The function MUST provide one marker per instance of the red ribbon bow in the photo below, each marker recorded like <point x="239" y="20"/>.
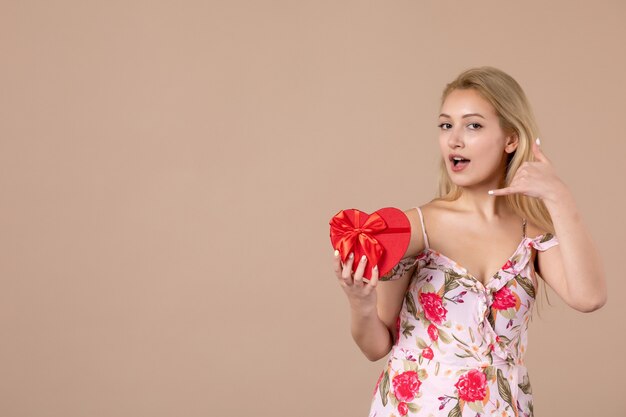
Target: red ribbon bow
<point x="349" y="235"/>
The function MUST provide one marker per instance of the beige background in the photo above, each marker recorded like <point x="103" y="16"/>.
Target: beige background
<point x="168" y="171"/>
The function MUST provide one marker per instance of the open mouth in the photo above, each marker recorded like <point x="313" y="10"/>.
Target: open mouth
<point x="458" y="161"/>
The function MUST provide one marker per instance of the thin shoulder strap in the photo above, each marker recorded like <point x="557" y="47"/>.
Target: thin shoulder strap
<point x="423" y="228"/>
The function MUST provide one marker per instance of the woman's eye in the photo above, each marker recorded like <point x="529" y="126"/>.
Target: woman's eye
<point x="444" y="126"/>
<point x="475" y="126"/>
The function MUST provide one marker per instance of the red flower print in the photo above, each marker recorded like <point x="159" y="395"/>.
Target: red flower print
<point x="508" y="265"/>
<point x="433" y="332"/>
<point x="503" y="299"/>
<point x="406" y="385"/>
<point x="427" y="353"/>
<point x="472" y="386"/>
<point x="433" y="308"/>
<point x="398" y="329"/>
<point x="403" y="409"/>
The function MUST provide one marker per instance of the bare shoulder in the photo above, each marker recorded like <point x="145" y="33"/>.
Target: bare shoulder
<point x="417" y="243"/>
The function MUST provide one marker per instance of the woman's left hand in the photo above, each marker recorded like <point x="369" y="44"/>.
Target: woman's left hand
<point x="535" y="179"/>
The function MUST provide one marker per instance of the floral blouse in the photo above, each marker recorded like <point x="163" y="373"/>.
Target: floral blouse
<point x="459" y="344"/>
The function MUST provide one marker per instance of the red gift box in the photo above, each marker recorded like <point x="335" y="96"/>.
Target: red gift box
<point x="382" y="236"/>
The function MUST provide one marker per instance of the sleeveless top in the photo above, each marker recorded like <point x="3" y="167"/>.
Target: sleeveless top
<point x="459" y="345"/>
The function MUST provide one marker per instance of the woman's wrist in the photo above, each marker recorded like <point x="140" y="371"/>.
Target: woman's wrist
<point x="363" y="310"/>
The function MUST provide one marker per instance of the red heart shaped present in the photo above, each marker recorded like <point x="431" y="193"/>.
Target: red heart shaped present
<point x="382" y="236"/>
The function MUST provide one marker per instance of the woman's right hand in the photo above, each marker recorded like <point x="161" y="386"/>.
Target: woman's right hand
<point x="361" y="294"/>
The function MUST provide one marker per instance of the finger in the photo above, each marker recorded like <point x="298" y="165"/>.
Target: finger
<point x="374" y="279"/>
<point x="337" y="264"/>
<point x="358" y="274"/>
<point x="502" y="191"/>
<point x="346" y="274"/>
<point x="538" y="152"/>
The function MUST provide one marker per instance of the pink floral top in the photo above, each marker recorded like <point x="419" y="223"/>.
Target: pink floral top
<point x="460" y="345"/>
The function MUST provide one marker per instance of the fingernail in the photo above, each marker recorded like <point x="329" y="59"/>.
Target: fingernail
<point x="376" y="267"/>
<point x="363" y="258"/>
<point x="336" y="253"/>
<point x="538" y="141"/>
<point x="351" y="255"/>
<point x="490" y="192"/>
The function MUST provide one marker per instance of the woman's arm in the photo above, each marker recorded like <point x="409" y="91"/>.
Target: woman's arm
<point x="369" y="332"/>
<point x="573" y="268"/>
<point x="374" y="307"/>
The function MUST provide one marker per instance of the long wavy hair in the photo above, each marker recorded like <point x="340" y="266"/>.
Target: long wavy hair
<point x="516" y="116"/>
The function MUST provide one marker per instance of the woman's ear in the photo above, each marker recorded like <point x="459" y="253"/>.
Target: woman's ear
<point x="512" y="141"/>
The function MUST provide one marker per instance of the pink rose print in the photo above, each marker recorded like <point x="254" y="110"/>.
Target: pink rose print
<point x="406" y="385"/>
<point x="433" y="332"/>
<point x="472" y="386"/>
<point x="427" y="353"/>
<point x="403" y="409"/>
<point x="433" y="308"/>
<point x="503" y="299"/>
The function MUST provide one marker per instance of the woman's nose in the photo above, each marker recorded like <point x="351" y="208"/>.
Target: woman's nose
<point x="455" y="138"/>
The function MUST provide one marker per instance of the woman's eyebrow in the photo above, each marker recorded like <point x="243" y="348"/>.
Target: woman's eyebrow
<point x="464" y="116"/>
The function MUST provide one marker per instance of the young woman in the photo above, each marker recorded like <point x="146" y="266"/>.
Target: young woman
<point x="454" y="312"/>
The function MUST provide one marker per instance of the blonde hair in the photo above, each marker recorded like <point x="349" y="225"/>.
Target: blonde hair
<point x="516" y="116"/>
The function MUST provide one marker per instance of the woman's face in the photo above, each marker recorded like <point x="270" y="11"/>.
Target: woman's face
<point x="469" y="127"/>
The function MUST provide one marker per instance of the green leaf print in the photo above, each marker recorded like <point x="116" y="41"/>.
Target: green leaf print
<point x="436" y="368"/>
<point x="509" y="313"/>
<point x="421" y="343"/>
<point x="526" y="284"/>
<point x="525" y="385"/>
<point x="427" y="287"/>
<point x="491" y="318"/>
<point x="394" y="400"/>
<point x="444" y="336"/>
<point x="407" y="328"/>
<point x="546" y="237"/>
<point x="384" y="388"/>
<point x="504" y="388"/>
<point x="456" y="411"/>
<point x="450" y="282"/>
<point x="410" y="304"/>
<point x="422" y="374"/>
<point x="414" y="408"/>
<point x="410" y="366"/>
<point x="476" y="406"/>
<point x="490" y="372"/>
<point x="458" y="340"/>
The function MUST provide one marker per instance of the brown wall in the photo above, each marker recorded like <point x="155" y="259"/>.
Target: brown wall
<point x="168" y="170"/>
